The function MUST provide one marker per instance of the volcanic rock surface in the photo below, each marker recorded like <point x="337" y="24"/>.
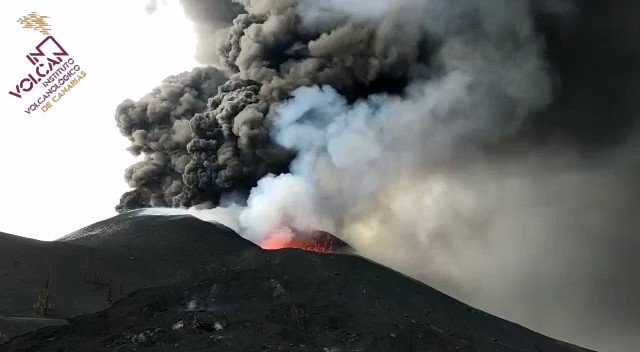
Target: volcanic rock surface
<point x="189" y="285"/>
<point x="97" y="265"/>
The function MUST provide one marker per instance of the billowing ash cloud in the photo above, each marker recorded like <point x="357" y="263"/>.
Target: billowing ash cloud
<point x="267" y="53"/>
<point x="158" y="127"/>
<point x="488" y="147"/>
<point x="211" y="19"/>
<point x="230" y="148"/>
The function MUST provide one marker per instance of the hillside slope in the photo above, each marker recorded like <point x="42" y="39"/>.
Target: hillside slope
<point x="102" y="263"/>
<point x="248" y="299"/>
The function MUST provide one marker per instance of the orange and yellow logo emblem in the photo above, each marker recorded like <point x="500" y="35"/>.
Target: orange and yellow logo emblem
<point x="36" y="22"/>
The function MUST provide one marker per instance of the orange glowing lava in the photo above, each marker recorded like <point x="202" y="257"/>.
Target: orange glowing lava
<point x="315" y="241"/>
<point x="275" y="242"/>
<point x="278" y="239"/>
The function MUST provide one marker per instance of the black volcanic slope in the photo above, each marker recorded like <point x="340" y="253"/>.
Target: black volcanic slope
<point x="241" y="298"/>
<point x="182" y="236"/>
<point x="102" y="263"/>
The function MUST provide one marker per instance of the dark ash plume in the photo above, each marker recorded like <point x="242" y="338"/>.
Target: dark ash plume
<point x="269" y="52"/>
<point x="158" y="128"/>
<point x="211" y="19"/>
<point x="231" y="148"/>
<point x="597" y="58"/>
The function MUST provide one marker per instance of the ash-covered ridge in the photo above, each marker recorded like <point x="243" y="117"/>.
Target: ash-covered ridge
<point x="235" y="300"/>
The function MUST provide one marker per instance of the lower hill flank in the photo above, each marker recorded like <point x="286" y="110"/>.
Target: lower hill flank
<point x="227" y="294"/>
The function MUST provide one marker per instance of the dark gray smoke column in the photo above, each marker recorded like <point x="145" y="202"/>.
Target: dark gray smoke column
<point x="231" y="148"/>
<point x="211" y="19"/>
<point x="597" y="58"/>
<point x="158" y="128"/>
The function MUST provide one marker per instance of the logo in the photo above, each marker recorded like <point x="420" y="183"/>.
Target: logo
<point x="53" y="72"/>
<point x="35" y="22"/>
